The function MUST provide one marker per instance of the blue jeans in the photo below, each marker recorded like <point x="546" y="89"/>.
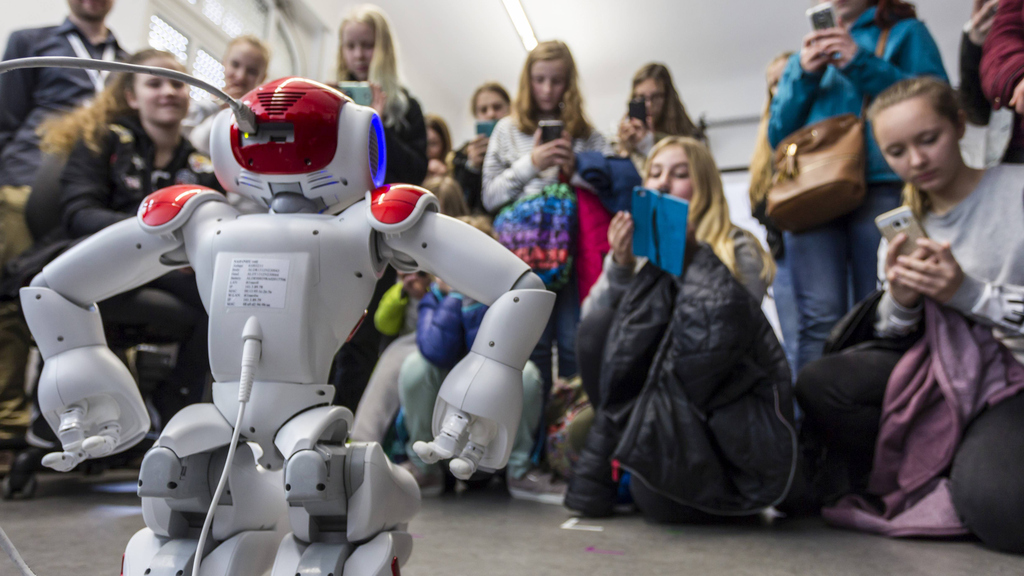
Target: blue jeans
<point x="561" y="329"/>
<point x="785" y="306"/>
<point x="828" y="261"/>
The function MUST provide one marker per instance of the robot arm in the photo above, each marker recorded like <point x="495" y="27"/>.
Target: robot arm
<point x="86" y="394"/>
<point x="478" y="408"/>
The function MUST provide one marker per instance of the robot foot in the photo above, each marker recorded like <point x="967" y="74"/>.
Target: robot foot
<point x="245" y="554"/>
<point x="380" y="556"/>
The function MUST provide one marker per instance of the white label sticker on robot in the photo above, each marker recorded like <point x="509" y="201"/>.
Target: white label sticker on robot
<point x="258" y="283"/>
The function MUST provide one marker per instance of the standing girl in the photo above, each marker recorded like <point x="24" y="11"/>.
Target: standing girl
<point x="518" y="164"/>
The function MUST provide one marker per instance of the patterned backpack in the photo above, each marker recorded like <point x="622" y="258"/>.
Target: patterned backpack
<point x="541" y="229"/>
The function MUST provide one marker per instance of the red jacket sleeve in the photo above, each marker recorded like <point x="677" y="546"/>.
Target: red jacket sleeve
<point x="1002" y="60"/>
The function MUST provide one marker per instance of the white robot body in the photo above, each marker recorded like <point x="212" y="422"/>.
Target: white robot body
<point x="283" y="291"/>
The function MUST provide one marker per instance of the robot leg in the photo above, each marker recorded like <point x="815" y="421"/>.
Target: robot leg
<point x="176" y="483"/>
<point x="348" y="506"/>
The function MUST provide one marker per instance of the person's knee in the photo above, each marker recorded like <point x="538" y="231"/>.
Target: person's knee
<point x="987" y="477"/>
<point x="533" y="384"/>
<point x="414" y="377"/>
<point x="813" y="382"/>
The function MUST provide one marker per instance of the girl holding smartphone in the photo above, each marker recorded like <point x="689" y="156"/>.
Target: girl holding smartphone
<point x="518" y="163"/>
<point x="490" y="103"/>
<point x="967" y="264"/>
<point x="665" y="114"/>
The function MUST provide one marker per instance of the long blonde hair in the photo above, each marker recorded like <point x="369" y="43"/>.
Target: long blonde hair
<point x="709" y="210"/>
<point x="383" y="65"/>
<point x="526" y="111"/>
<point x="673" y="120"/>
<point x="762" y="162"/>
<point x="942" y="99"/>
<point x="89" y="121"/>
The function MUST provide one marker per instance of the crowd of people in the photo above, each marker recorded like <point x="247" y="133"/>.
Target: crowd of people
<point x="889" y="403"/>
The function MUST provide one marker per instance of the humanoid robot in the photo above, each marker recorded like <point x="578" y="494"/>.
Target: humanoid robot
<point x="283" y="290"/>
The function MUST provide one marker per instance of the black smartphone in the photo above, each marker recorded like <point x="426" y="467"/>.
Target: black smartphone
<point x="550" y="130"/>
<point x="638" y="109"/>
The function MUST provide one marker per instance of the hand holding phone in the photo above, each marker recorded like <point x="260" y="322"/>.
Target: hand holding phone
<point x="485" y="127"/>
<point x="550" y="130"/>
<point x="638" y="109"/>
<point x="360" y="92"/>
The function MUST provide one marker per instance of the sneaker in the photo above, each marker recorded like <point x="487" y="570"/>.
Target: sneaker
<point x="430" y="479"/>
<point x="537" y="486"/>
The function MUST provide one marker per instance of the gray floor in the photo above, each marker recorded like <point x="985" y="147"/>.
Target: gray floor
<point x="79" y="526"/>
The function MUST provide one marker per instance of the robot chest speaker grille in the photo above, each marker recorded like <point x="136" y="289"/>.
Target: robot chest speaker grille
<point x="278" y="102"/>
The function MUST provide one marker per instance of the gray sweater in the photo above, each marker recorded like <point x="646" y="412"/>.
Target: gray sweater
<point x="615" y="278"/>
<point x="508" y="171"/>
<point x="986" y="235"/>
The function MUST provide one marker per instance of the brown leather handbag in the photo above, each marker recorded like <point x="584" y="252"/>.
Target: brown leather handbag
<point x="819" y="170"/>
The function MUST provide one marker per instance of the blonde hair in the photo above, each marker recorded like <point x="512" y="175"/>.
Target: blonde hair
<point x="943" y="100"/>
<point x="89" y="121"/>
<point x="256" y="43"/>
<point x="709" y="210"/>
<point x="527" y="113"/>
<point x="673" y="120"/>
<point x="449" y="194"/>
<point x="762" y="162"/>
<point x="383" y="65"/>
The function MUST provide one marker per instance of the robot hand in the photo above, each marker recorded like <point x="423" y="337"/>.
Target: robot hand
<point x="475" y="417"/>
<point x="103" y="413"/>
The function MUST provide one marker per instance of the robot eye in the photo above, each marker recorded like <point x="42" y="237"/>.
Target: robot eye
<point x="271" y="132"/>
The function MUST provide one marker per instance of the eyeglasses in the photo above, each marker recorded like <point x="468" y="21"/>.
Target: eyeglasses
<point x="656" y="98"/>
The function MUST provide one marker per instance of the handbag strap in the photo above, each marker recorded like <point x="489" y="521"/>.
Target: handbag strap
<point x="883" y="39"/>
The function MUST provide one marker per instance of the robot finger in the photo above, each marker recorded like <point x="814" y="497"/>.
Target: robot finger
<point x="63" y="461"/>
<point x="481" y="433"/>
<point x="96" y="446"/>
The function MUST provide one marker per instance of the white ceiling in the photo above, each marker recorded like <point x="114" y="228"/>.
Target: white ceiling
<point x="716" y="49"/>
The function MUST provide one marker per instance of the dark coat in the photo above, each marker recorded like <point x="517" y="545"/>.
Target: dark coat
<point x="712" y="424"/>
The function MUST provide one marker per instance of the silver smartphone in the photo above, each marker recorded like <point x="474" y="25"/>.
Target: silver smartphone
<point x="900" y="220"/>
<point x="550" y="130"/>
<point x="823" y="16"/>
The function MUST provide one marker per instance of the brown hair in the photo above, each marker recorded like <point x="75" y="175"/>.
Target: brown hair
<point x="480" y="222"/>
<point x="673" y="120"/>
<point x="889" y="12"/>
<point x="437" y="124"/>
<point x="943" y="100"/>
<point x="488" y="87"/>
<point x="449" y="194"/>
<point x="761" y="163"/>
<point x="526" y="112"/>
<point x="709" y="210"/>
<point x="88" y="121"/>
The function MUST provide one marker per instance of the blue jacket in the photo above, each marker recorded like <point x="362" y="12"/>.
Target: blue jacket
<point x="804" y="99"/>
<point x="613" y="179"/>
<point x="447" y="326"/>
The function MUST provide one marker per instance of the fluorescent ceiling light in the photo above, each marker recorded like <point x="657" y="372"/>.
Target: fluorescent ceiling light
<point x="521" y="22"/>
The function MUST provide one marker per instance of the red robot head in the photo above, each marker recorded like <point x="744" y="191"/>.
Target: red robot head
<point x="314" y="149"/>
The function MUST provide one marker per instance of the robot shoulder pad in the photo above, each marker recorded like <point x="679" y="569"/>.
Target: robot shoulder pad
<point x="169" y="208"/>
<point x="396" y="208"/>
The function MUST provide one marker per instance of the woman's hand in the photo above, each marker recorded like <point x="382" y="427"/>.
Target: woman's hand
<point x="838" y="45"/>
<point x="415" y="284"/>
<point x="436" y="168"/>
<point x="558" y="152"/>
<point x="379" y="98"/>
<point x="620" y="239"/>
<point x="475" y="151"/>
<point x="983" y="13"/>
<point x="902" y="293"/>
<point x="631" y="132"/>
<point x="812" y="58"/>
<point x="938" y="275"/>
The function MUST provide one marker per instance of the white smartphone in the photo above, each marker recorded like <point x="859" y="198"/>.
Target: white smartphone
<point x="900" y="220"/>
<point x="359" y="92"/>
<point x="823" y="16"/>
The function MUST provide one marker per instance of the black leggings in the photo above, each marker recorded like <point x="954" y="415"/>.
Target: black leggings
<point x="842" y="397"/>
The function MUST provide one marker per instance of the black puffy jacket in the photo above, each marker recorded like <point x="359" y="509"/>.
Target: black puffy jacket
<point x="711" y="426"/>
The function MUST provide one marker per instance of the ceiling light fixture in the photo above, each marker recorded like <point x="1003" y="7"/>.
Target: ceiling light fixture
<point x="521" y="22"/>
